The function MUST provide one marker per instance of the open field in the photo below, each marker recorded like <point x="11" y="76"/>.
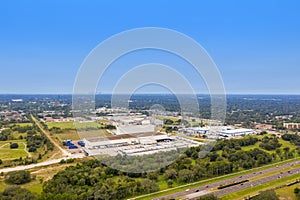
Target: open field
<point x="71" y="125"/>
<point x="78" y="135"/>
<point x="21" y="124"/>
<point x="9" y="154"/>
<point x="68" y="135"/>
<point x="93" y="133"/>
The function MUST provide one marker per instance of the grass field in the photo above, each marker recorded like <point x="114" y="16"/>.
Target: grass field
<point x="78" y="135"/>
<point x="68" y="135"/>
<point x="71" y="125"/>
<point x="93" y="133"/>
<point x="9" y="154"/>
<point x="21" y="124"/>
<point x="287" y="193"/>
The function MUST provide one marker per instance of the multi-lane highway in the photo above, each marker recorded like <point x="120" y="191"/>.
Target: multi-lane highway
<point x="199" y="191"/>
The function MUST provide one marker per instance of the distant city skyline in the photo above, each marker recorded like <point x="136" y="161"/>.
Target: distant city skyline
<point x="255" y="44"/>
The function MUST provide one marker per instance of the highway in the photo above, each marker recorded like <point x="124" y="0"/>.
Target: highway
<point x="256" y="182"/>
<point x="192" y="194"/>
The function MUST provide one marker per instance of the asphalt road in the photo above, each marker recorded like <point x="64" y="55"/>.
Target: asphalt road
<point x="256" y="182"/>
<point x="206" y="188"/>
<point x="45" y="163"/>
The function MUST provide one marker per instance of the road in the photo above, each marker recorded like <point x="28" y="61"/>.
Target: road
<point x="205" y="189"/>
<point x="47" y="133"/>
<point x="45" y="163"/>
<point x="256" y="182"/>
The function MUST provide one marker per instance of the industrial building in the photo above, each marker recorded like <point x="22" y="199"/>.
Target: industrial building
<point x="135" y="144"/>
<point x="133" y="129"/>
<point x="237" y="132"/>
<point x="125" y="139"/>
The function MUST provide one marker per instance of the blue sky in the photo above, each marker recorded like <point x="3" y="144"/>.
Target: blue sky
<point x="255" y="44"/>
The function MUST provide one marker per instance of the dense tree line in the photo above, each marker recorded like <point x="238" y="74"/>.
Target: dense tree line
<point x="92" y="180"/>
<point x="293" y="138"/>
<point x="36" y="140"/>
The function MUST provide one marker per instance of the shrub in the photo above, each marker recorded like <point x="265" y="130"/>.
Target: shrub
<point x="18" y="177"/>
<point x="14" y="145"/>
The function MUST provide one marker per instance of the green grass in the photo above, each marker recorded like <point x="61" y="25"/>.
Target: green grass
<point x="9" y="154"/>
<point x="34" y="186"/>
<point x="255" y="190"/>
<point x="16" y="134"/>
<point x="247" y="148"/>
<point x="287" y="192"/>
<point x="286" y="144"/>
<point x="71" y="125"/>
<point x="2" y="186"/>
<point x="21" y="124"/>
<point x="281" y="141"/>
<point x="68" y="135"/>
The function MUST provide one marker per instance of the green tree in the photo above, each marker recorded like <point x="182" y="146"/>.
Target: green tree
<point x="16" y="192"/>
<point x="297" y="192"/>
<point x="14" y="145"/>
<point x="170" y="183"/>
<point x="185" y="175"/>
<point x="170" y="174"/>
<point x="18" y="177"/>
